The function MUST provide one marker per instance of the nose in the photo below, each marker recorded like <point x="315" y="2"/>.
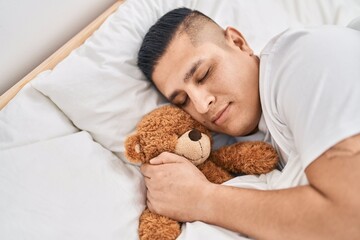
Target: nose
<point x="195" y="135"/>
<point x="202" y="100"/>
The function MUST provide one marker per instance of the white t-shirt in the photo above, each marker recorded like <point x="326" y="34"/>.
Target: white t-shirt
<point x="310" y="95"/>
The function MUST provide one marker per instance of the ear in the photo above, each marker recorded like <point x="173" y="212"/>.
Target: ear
<point x="236" y="39"/>
<point x="133" y="151"/>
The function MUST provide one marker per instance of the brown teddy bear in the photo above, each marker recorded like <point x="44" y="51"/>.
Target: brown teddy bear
<point x="171" y="129"/>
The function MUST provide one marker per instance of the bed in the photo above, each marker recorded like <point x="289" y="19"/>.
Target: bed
<point x="63" y="173"/>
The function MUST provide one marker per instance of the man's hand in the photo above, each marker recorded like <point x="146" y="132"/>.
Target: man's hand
<point x="175" y="187"/>
<point x="327" y="208"/>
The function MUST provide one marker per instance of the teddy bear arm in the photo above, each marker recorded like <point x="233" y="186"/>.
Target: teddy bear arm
<point x="153" y="226"/>
<point x="214" y="173"/>
<point x="247" y="157"/>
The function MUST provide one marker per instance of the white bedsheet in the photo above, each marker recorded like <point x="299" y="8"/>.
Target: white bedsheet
<point x="57" y="183"/>
<point x="62" y="170"/>
<point x="67" y="188"/>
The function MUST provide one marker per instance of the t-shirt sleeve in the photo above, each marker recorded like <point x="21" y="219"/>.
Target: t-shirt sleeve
<point x="312" y="88"/>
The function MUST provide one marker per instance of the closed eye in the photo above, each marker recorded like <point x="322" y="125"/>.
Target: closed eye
<point x="181" y="99"/>
<point x="184" y="102"/>
<point x="206" y="76"/>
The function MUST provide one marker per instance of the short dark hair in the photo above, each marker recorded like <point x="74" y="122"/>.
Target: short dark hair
<point x="159" y="36"/>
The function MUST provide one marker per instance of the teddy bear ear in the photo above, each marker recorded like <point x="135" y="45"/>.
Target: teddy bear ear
<point x="133" y="151"/>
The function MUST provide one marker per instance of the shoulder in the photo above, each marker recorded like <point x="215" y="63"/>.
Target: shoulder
<point x="303" y="58"/>
<point x="310" y="53"/>
<point x="321" y="37"/>
<point x="309" y="86"/>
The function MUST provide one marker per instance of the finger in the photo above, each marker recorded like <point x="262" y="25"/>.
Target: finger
<point x="166" y="157"/>
<point x="147" y="182"/>
<point x="150" y="207"/>
<point x="144" y="169"/>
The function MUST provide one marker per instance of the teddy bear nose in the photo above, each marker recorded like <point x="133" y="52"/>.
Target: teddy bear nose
<point x="195" y="135"/>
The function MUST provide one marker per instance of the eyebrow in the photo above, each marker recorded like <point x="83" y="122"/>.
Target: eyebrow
<point x="187" y="76"/>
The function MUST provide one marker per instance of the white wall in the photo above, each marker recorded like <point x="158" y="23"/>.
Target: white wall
<point x="31" y="30"/>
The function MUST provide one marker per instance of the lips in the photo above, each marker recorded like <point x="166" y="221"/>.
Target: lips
<point x="220" y="116"/>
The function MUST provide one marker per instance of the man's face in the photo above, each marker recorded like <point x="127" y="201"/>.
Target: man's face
<point x="218" y="86"/>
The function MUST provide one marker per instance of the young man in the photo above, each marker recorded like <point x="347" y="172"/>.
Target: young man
<point x="304" y="90"/>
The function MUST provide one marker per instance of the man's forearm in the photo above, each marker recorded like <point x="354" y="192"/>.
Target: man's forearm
<point x="329" y="208"/>
<point x="284" y="214"/>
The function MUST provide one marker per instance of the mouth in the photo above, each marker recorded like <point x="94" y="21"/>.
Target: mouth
<point x="221" y="115"/>
<point x="196" y="161"/>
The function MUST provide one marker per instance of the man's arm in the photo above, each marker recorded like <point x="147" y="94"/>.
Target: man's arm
<point x="329" y="208"/>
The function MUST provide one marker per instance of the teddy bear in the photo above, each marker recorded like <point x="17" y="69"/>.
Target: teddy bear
<point x="169" y="128"/>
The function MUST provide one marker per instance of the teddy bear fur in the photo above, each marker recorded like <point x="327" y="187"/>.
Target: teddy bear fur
<point x="171" y="129"/>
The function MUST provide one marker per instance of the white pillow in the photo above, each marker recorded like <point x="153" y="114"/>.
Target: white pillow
<point x="32" y="117"/>
<point x="99" y="86"/>
<point x="355" y="24"/>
